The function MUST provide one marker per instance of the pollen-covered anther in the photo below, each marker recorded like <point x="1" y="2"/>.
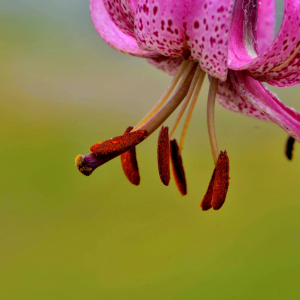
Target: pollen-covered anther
<point x="177" y="168"/>
<point x="120" y="144"/>
<point x="163" y="155"/>
<point x="129" y="163"/>
<point x="205" y="204"/>
<point x="218" y="186"/>
<point x="221" y="181"/>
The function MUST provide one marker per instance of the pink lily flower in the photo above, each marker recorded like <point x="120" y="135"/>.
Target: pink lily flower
<point x="231" y="41"/>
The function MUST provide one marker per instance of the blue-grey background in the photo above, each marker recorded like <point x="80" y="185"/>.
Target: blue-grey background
<point x="64" y="236"/>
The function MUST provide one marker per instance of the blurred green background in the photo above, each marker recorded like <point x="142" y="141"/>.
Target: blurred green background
<point x="66" y="236"/>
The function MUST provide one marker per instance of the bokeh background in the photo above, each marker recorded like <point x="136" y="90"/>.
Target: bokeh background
<point x="66" y="236"/>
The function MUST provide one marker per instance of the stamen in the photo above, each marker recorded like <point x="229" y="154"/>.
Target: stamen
<point x="120" y="144"/>
<point x="159" y="118"/>
<point x="107" y="150"/>
<point x="191" y="109"/>
<point x="218" y="186"/>
<point x="289" y="147"/>
<point x="177" y="168"/>
<point x="129" y="163"/>
<point x="187" y="100"/>
<point x="163" y="155"/>
<point x="206" y="202"/>
<point x="221" y="182"/>
<point x="211" y="118"/>
<point x="184" y="69"/>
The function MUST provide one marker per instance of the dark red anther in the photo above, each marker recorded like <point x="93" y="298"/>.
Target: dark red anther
<point x="177" y="168"/>
<point x="163" y="155"/>
<point x="217" y="189"/>
<point x="206" y="202"/>
<point x="129" y="163"/>
<point x="221" y="182"/>
<point x="119" y="144"/>
<point x="289" y="147"/>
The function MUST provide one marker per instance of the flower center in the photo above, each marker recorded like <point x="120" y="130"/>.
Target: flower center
<point x="185" y="86"/>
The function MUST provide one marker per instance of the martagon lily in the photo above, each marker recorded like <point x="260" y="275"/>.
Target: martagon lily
<point x="230" y="40"/>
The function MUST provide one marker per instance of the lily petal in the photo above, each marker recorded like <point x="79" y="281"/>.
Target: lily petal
<point x="207" y="28"/>
<point x="265" y="24"/>
<point x="166" y="64"/>
<point x="263" y="100"/>
<point x="279" y="65"/>
<point x="230" y="99"/>
<point x="243" y="38"/>
<point x="122" y="14"/>
<point x="159" y="26"/>
<point x="112" y="35"/>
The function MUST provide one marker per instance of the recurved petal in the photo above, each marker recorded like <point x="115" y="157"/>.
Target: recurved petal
<point x="159" y="26"/>
<point x="280" y="64"/>
<point x="122" y="14"/>
<point x="112" y="35"/>
<point x="230" y="99"/>
<point x="207" y="33"/>
<point x="265" y="24"/>
<point x="263" y="100"/>
<point x="166" y="64"/>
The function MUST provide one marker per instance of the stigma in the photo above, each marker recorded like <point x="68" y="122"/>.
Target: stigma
<point x="183" y="90"/>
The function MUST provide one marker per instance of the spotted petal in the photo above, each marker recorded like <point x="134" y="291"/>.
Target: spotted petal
<point x="173" y="27"/>
<point x="159" y="26"/>
<point x="166" y="64"/>
<point x="265" y="24"/>
<point x="112" y="35"/>
<point x="122" y="14"/>
<point x="267" y="103"/>
<point x="230" y="99"/>
<point x="207" y="28"/>
<point x="279" y="65"/>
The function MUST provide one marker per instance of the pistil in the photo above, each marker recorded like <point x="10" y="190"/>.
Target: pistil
<point x="104" y="151"/>
<point x="191" y="109"/>
<point x="183" y="72"/>
<point x="159" y="117"/>
<point x="187" y="100"/>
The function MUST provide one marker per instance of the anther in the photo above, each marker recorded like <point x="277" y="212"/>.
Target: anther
<point x="119" y="144"/>
<point x="217" y="190"/>
<point x="289" y="147"/>
<point x="129" y="163"/>
<point x="221" y="182"/>
<point x="163" y="155"/>
<point x="177" y="168"/>
<point x="206" y="202"/>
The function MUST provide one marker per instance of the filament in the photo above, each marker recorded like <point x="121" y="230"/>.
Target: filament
<point x="191" y="109"/>
<point x="183" y="72"/>
<point x="186" y="101"/>
<point x="159" y="117"/>
<point x="211" y="118"/>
